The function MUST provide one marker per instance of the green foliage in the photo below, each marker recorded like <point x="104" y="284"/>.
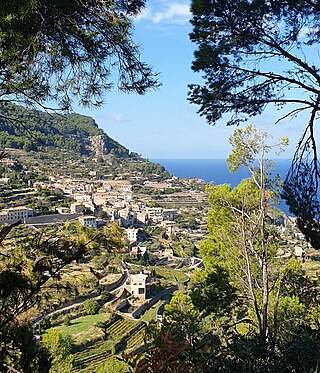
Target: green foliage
<point x="246" y="143"/>
<point x="181" y="305"/>
<point x="67" y="320"/>
<point x="21" y="351"/>
<point x="59" y="348"/>
<point x="290" y="308"/>
<point x="233" y="40"/>
<point x="105" y="296"/>
<point x="146" y="169"/>
<point x="114" y="237"/>
<point x="183" y="316"/>
<point x="70" y="132"/>
<point x="245" y="311"/>
<point x="113" y="365"/>
<point x="212" y="292"/>
<point x="55" y="52"/>
<point x="32" y="262"/>
<point x="221" y="248"/>
<point x="91" y="307"/>
<point x="60" y="51"/>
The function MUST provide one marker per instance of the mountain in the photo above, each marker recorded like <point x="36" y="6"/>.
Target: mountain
<point x="34" y="130"/>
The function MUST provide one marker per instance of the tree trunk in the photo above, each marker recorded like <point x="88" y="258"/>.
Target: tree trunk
<point x="265" y="300"/>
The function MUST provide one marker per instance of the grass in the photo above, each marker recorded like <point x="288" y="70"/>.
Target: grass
<point x="170" y="274"/>
<point x="83" y="328"/>
<point x="150" y="315"/>
<point x="87" y="360"/>
<point x="82" y="324"/>
<point x="120" y="327"/>
<point x="136" y="340"/>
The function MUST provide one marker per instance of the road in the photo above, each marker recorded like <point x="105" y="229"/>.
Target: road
<point x="79" y="303"/>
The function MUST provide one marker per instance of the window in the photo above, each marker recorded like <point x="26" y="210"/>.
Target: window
<point x="141" y="291"/>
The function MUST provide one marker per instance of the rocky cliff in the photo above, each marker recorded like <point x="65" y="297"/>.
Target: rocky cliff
<point x="27" y="129"/>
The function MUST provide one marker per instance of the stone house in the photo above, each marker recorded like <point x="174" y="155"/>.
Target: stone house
<point x="138" y="286"/>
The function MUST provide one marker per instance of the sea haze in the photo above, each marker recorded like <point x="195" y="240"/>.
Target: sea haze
<point x="216" y="171"/>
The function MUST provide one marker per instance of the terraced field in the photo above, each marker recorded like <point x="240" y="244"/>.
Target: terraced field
<point x="151" y="314"/>
<point x="136" y="340"/>
<point x="118" y="329"/>
<point x="88" y="360"/>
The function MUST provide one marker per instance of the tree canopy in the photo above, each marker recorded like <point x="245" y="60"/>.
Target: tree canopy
<point x="256" y="53"/>
<point x="37" y="130"/>
<point x="253" y="53"/>
<point x="52" y="54"/>
<point x="55" y="51"/>
<point x="247" y="310"/>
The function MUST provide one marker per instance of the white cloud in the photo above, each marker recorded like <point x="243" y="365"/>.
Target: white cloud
<point x="174" y="13"/>
<point x="118" y="118"/>
<point x="144" y="14"/>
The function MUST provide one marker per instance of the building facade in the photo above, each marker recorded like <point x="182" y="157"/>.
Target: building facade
<point x="88" y="221"/>
<point x="15" y="213"/>
<point x="138" y="286"/>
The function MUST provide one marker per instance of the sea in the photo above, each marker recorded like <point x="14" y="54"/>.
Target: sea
<point x="216" y="171"/>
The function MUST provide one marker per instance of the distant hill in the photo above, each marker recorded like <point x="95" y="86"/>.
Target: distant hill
<point x="34" y="130"/>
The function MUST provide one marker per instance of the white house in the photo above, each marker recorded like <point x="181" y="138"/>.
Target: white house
<point x="15" y="213"/>
<point x="138" y="286"/>
<point x="132" y="234"/>
<point x="88" y="221"/>
<point x="155" y="214"/>
<point x="141" y="218"/>
<point x="63" y="210"/>
<point x="298" y="252"/>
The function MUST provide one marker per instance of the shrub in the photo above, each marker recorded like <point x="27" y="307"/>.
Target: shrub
<point x="105" y="296"/>
<point x="113" y="365"/>
<point x="91" y="307"/>
<point x="67" y="320"/>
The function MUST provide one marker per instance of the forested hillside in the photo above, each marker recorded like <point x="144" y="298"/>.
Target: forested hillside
<point x="74" y="132"/>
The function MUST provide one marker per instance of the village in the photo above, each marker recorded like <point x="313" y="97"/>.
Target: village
<point x="161" y="220"/>
<point x="161" y="249"/>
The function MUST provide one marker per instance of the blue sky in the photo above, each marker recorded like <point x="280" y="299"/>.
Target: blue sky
<point x="163" y="124"/>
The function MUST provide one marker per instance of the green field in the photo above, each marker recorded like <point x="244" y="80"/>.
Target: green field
<point x="82" y="324"/>
<point x="150" y="315"/>
<point x="83" y="328"/>
<point x="120" y="327"/>
<point x="171" y="275"/>
<point x="90" y="358"/>
<point x="136" y="340"/>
